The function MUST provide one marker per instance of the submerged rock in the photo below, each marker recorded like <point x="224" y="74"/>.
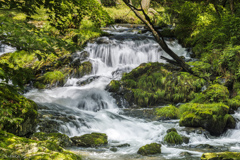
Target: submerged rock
<point x="149" y="149"/>
<point x="90" y="140"/>
<point x="221" y="156"/>
<point x="58" y="138"/>
<point x="213" y="117"/>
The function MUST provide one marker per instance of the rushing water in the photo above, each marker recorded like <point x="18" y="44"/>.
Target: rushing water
<point x="79" y="110"/>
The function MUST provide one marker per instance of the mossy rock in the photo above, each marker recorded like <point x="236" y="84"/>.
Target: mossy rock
<point x="23" y="148"/>
<point x="167" y="112"/>
<point x="212" y="117"/>
<point x="90" y="140"/>
<point x="214" y="93"/>
<point x="153" y="148"/>
<point x="18" y="114"/>
<point x="53" y="77"/>
<point x="84" y="69"/>
<point x="152" y="84"/>
<point x="58" y="138"/>
<point x="234" y="103"/>
<point x="221" y="156"/>
<point x="114" y="86"/>
<point x="172" y="137"/>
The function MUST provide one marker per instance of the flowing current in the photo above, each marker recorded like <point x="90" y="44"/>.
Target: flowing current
<point x="80" y="109"/>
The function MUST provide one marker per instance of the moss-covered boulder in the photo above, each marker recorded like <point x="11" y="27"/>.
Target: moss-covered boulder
<point x="173" y="137"/>
<point x="214" y="93"/>
<point x="13" y="147"/>
<point x="221" y="156"/>
<point x="152" y="84"/>
<point x="212" y="117"/>
<point x="114" y="86"/>
<point x="58" y="138"/>
<point x="18" y="115"/>
<point x="149" y="149"/>
<point x="90" y="140"/>
<point x="167" y="112"/>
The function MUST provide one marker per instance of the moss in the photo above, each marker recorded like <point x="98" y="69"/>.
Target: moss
<point x="173" y="138"/>
<point x="167" y="112"/>
<point x="214" y="93"/>
<point x="154" y="83"/>
<point x="221" y="156"/>
<point x="39" y="85"/>
<point x="85" y="68"/>
<point x="114" y="86"/>
<point x="90" y="140"/>
<point x="209" y="116"/>
<point x="13" y="146"/>
<point x="149" y="149"/>
<point x="53" y="77"/>
<point x="234" y="103"/>
<point x="58" y="138"/>
<point x="18" y="115"/>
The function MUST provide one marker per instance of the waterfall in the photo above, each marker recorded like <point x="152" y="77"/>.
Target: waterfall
<point x="76" y="110"/>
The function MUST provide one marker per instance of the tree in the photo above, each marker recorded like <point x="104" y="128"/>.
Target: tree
<point x="159" y="38"/>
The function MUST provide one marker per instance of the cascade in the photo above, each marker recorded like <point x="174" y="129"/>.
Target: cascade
<point x="76" y="110"/>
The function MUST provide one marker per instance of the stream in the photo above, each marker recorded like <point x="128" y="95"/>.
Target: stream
<point x="80" y="109"/>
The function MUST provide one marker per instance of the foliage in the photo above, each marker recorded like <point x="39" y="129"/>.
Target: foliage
<point x="173" y="138"/>
<point x="23" y="148"/>
<point x="53" y="77"/>
<point x="167" y="112"/>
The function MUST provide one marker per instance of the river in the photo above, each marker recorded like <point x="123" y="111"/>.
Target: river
<point x="76" y="110"/>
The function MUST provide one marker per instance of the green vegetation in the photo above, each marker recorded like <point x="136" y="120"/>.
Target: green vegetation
<point x="221" y="155"/>
<point x="23" y="148"/>
<point x="213" y="117"/>
<point x="53" y="77"/>
<point x="167" y="112"/>
<point x="90" y="140"/>
<point x="114" y="86"/>
<point x="154" y="83"/>
<point x="149" y="149"/>
<point x="173" y="137"/>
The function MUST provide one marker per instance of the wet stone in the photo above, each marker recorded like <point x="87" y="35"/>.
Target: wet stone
<point x="114" y="149"/>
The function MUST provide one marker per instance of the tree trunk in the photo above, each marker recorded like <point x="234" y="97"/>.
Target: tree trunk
<point x="158" y="36"/>
<point x="145" y="4"/>
<point x="231" y="2"/>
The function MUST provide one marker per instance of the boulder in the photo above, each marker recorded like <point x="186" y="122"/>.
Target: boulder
<point x="212" y="117"/>
<point x="167" y="112"/>
<point x="221" y="156"/>
<point x="90" y="140"/>
<point x="149" y="149"/>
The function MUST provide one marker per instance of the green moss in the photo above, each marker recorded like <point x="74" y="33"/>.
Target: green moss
<point x="149" y="149"/>
<point x="214" y="93"/>
<point x="209" y="116"/>
<point x="167" y="112"/>
<point x="85" y="68"/>
<point x="13" y="146"/>
<point x="90" y="140"/>
<point x="173" y="138"/>
<point x="154" y="83"/>
<point x="53" y="77"/>
<point x="39" y="85"/>
<point x="18" y="115"/>
<point x="221" y="156"/>
<point x="114" y="86"/>
<point x="58" y="138"/>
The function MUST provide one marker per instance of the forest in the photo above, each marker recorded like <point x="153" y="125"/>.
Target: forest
<point x="120" y="79"/>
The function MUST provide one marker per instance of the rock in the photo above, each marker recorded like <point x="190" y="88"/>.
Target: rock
<point x="114" y="149"/>
<point x="204" y="146"/>
<point x="19" y="107"/>
<point x="90" y="140"/>
<point x="221" y="156"/>
<point x="84" y="69"/>
<point x="84" y="55"/>
<point x="173" y="137"/>
<point x="149" y="149"/>
<point x="122" y="145"/>
<point x="185" y="139"/>
<point x="185" y="154"/>
<point x="87" y="81"/>
<point x="140" y="113"/>
<point x="58" y="138"/>
<point x="113" y="86"/>
<point x="212" y="117"/>
<point x="75" y="63"/>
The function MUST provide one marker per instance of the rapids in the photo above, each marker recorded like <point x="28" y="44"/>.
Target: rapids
<point x="79" y="110"/>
